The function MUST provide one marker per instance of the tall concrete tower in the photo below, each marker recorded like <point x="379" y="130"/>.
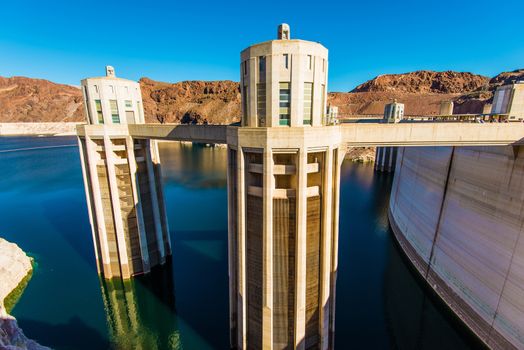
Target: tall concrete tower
<point x="283" y="192"/>
<point x="122" y="180"/>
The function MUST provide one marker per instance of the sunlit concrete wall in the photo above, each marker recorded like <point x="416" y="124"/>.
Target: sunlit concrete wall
<point x="458" y="214"/>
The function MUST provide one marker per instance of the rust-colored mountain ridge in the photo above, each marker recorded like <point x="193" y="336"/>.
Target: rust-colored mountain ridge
<point x="218" y="102"/>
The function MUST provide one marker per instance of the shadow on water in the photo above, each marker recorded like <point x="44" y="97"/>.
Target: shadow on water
<point x="416" y="317"/>
<point x="74" y="335"/>
<point x="141" y="312"/>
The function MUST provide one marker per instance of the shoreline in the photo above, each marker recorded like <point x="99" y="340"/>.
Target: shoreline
<point x="16" y="270"/>
<point x="39" y="129"/>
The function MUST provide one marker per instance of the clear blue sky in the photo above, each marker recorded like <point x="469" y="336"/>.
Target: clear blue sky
<point x="65" y="41"/>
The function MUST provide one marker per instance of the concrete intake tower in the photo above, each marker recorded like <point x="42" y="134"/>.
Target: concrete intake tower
<point x="283" y="189"/>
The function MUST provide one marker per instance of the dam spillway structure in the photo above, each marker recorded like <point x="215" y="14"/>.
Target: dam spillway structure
<point x="122" y="181"/>
<point x="283" y="189"/>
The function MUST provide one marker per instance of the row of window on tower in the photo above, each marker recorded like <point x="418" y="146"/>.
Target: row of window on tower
<point x="284" y="103"/>
<point x="115" y="115"/>
<point x="284" y="92"/>
<point x="285" y="64"/>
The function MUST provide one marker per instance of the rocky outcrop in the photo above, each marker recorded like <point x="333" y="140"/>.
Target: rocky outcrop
<point x="424" y="81"/>
<point x="191" y="102"/>
<point x="361" y="154"/>
<point x="15" y="266"/>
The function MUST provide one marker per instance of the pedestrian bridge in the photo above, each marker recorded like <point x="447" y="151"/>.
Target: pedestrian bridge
<point x="352" y="134"/>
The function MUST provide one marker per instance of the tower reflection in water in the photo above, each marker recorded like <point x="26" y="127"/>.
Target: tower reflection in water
<point x="141" y="311"/>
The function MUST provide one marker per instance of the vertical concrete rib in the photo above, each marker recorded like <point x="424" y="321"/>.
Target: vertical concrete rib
<point x="378" y="153"/>
<point x="300" y="307"/>
<point x="92" y="160"/>
<point x="138" y="204"/>
<point x="154" y="200"/>
<point x="325" y="249"/>
<point x="160" y="195"/>
<point x="241" y="267"/>
<point x="267" y="312"/>
<point x="117" y="212"/>
<point x="90" y="201"/>
<point x="338" y="158"/>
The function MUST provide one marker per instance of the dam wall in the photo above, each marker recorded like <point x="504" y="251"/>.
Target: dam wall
<point x="458" y="214"/>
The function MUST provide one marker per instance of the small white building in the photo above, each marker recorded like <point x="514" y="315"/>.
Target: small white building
<point x="509" y="100"/>
<point x="393" y="112"/>
<point x="112" y="100"/>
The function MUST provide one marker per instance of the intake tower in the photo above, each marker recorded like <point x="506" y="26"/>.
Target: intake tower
<point x="283" y="189"/>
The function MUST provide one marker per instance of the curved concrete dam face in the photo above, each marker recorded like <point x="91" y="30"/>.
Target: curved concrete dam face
<point x="458" y="214"/>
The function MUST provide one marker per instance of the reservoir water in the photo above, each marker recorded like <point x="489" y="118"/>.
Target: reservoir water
<point x="381" y="303"/>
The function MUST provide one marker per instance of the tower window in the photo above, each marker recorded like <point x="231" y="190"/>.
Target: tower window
<point x="310" y="62"/>
<point x="261" y="104"/>
<point x="244" y="103"/>
<point x="99" y="113"/>
<point x="115" y="117"/>
<point x="286" y="61"/>
<point x="129" y="104"/>
<point x="285" y="103"/>
<point x="323" y="102"/>
<point x="323" y="65"/>
<point x="245" y="67"/>
<point x="96" y="89"/>
<point x="308" y="103"/>
<point x="262" y="66"/>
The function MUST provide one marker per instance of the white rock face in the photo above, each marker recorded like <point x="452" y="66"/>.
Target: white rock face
<point x="14" y="266"/>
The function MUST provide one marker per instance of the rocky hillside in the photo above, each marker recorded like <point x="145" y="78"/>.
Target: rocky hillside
<point x="37" y="100"/>
<point x="214" y="102"/>
<point x="218" y="102"/>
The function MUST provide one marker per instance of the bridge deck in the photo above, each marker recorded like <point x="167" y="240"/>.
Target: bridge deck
<point x="352" y="134"/>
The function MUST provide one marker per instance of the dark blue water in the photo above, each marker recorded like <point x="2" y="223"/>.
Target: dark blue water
<point x="381" y="303"/>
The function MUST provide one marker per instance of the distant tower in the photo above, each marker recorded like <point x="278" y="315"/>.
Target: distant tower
<point x="332" y="115"/>
<point x="446" y="108"/>
<point x="122" y="181"/>
<point x="283" y="190"/>
<point x="385" y="157"/>
<point x="509" y="101"/>
<point x="393" y="112"/>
